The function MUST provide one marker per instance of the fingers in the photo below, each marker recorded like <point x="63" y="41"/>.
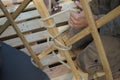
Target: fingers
<point x="77" y="20"/>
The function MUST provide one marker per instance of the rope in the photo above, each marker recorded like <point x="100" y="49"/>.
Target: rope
<point x="59" y="59"/>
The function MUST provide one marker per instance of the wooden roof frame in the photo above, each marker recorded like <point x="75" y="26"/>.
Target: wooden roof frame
<point x="91" y="29"/>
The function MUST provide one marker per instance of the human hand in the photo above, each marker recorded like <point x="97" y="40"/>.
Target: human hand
<point x="78" y="19"/>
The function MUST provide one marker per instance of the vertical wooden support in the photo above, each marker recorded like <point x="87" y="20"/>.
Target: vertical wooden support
<point x="95" y="34"/>
<point x="15" y="14"/>
<point x="36" y="59"/>
<point x="53" y="31"/>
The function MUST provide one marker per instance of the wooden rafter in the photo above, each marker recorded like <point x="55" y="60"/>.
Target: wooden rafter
<point x="53" y="31"/>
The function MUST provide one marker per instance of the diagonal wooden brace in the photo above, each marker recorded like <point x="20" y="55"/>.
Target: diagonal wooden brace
<point x="15" y="14"/>
<point x="97" y="40"/>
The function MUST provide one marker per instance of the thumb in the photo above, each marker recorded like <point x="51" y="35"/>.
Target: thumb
<point x="78" y="4"/>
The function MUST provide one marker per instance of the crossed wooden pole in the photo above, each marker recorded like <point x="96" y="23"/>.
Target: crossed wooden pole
<point x="91" y="29"/>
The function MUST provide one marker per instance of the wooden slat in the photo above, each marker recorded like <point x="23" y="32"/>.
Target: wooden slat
<point x="34" y="13"/>
<point x="57" y="71"/>
<point x="36" y="48"/>
<point x="22" y="17"/>
<point x="24" y="27"/>
<point x="48" y="59"/>
<point x="34" y="37"/>
<point x="12" y="8"/>
<point x="11" y="2"/>
<point x="27" y="26"/>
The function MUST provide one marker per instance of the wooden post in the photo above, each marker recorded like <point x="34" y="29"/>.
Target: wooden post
<point x="15" y="14"/>
<point x="53" y="31"/>
<point x="97" y="40"/>
<point x="35" y="58"/>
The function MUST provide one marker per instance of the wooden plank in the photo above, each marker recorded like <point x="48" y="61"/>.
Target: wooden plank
<point x="12" y="8"/>
<point x="48" y="59"/>
<point x="22" y="17"/>
<point x="34" y="37"/>
<point x="57" y="71"/>
<point x="38" y="48"/>
<point x="97" y="40"/>
<point x="34" y="13"/>
<point x="24" y="27"/>
<point x="68" y="76"/>
<point x="11" y="2"/>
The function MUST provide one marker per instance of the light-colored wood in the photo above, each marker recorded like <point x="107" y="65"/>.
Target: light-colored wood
<point x="67" y="0"/>
<point x="44" y="14"/>
<point x="24" y="16"/>
<point x="26" y="26"/>
<point x="15" y="14"/>
<point x="38" y="48"/>
<point x="11" y="2"/>
<point x="34" y="37"/>
<point x="31" y="25"/>
<point x="45" y="52"/>
<point x="97" y="40"/>
<point x="12" y="8"/>
<point x="31" y="38"/>
<point x="57" y="71"/>
<point x="20" y="35"/>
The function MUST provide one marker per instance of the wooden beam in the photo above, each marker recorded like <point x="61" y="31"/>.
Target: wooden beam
<point x="15" y="14"/>
<point x="53" y="31"/>
<point x="97" y="40"/>
<point x="35" y="58"/>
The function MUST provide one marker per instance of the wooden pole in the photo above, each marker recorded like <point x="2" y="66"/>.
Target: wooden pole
<point x="15" y="14"/>
<point x="53" y="31"/>
<point x="35" y="58"/>
<point x="97" y="40"/>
